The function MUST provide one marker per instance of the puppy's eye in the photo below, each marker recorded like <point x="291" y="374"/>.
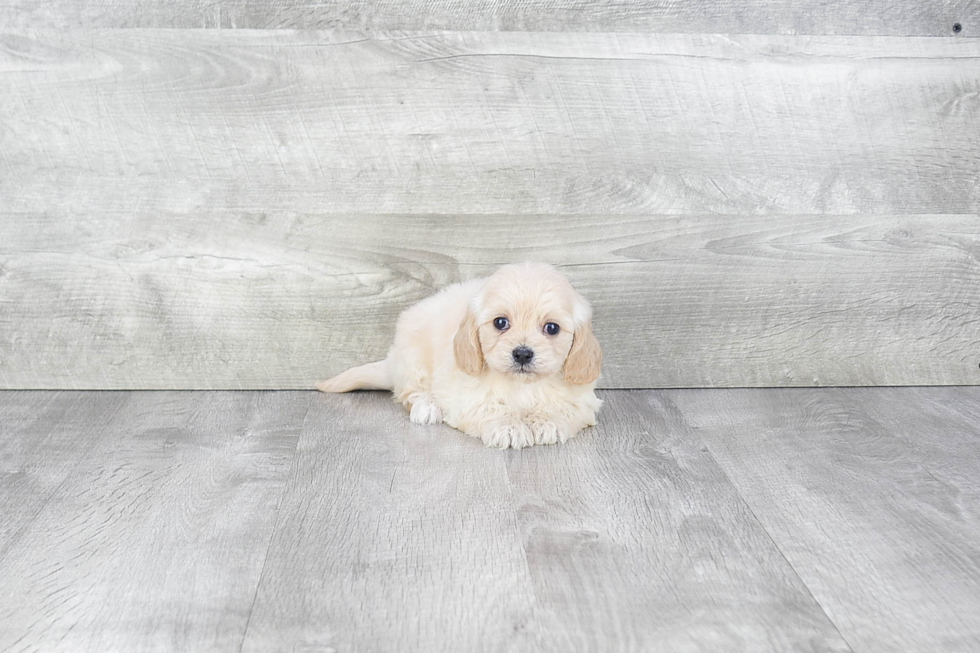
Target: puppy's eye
<point x="501" y="323"/>
<point x="552" y="329"/>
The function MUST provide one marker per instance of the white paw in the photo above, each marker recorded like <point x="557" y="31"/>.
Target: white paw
<point x="425" y="411"/>
<point x="552" y="432"/>
<point x="516" y="435"/>
<point x="545" y="433"/>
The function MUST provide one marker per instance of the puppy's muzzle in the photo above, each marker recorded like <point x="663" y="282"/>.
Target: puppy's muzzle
<point x="522" y="355"/>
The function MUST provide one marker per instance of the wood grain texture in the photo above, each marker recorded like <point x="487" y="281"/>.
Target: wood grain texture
<point x="42" y="436"/>
<point x="631" y="526"/>
<point x="276" y="300"/>
<point x="397" y="536"/>
<point x="734" y="520"/>
<point x="391" y="536"/>
<point x="469" y="122"/>
<point x="870" y="494"/>
<point x="156" y="537"/>
<point x="906" y="17"/>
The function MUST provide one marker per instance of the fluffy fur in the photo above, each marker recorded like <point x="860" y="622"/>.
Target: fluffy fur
<point x="450" y="363"/>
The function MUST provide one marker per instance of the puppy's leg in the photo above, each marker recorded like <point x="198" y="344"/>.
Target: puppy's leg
<point x="559" y="423"/>
<point x="411" y="365"/>
<point x="545" y="431"/>
<point x="412" y="384"/>
<point x="507" y="433"/>
<point x="492" y="423"/>
<point x="423" y="408"/>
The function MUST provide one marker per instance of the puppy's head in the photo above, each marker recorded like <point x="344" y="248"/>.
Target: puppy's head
<point x="528" y="322"/>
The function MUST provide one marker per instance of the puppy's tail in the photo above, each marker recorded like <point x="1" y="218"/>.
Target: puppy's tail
<point x="373" y="376"/>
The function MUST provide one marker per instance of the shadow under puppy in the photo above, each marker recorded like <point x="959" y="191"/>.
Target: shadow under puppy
<point x="510" y="359"/>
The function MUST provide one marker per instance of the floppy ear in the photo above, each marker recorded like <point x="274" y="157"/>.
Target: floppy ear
<point x="585" y="357"/>
<point x="466" y="345"/>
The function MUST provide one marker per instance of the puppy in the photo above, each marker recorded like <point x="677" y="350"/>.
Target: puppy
<point x="510" y="359"/>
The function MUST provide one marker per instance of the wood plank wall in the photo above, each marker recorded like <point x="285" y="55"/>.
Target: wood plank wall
<point x="751" y="194"/>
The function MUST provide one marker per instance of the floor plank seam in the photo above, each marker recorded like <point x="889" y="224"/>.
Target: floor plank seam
<point x="782" y="554"/>
<point x="532" y="594"/>
<point x="275" y="528"/>
<point x="755" y="517"/>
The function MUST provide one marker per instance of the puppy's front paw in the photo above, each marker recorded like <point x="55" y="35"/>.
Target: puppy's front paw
<point x="544" y="432"/>
<point x="425" y="411"/>
<point x="516" y="435"/>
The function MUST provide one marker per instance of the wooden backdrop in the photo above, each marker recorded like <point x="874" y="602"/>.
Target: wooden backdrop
<point x="751" y="193"/>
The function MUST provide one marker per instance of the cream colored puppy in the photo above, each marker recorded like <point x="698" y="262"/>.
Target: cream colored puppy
<point x="509" y="359"/>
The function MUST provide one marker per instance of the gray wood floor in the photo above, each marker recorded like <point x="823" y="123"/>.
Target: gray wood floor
<point x="687" y="520"/>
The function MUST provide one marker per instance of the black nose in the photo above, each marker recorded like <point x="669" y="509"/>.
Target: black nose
<point x="522" y="355"/>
